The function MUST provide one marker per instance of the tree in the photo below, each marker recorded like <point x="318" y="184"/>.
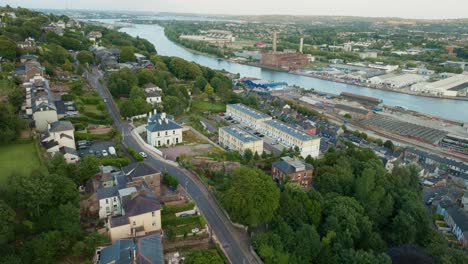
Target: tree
<point x="7" y="223"/>
<point x="16" y="98"/>
<point x="252" y="197"/>
<point x="389" y="144"/>
<point x="171" y="181"/>
<point x="85" y="57"/>
<point x="127" y="54"/>
<point x="248" y="155"/>
<point x="208" y="90"/>
<point x="87" y="168"/>
<point x="67" y="66"/>
<point x="7" y="48"/>
<point x="202" y="256"/>
<point x="145" y="76"/>
<point x="10" y="124"/>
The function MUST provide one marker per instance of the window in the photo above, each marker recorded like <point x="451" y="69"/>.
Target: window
<point x="166" y="133"/>
<point x="152" y="213"/>
<point x="168" y="142"/>
<point x="177" y="140"/>
<point x="159" y="134"/>
<point x="159" y="143"/>
<point x="134" y="223"/>
<point x="107" y="201"/>
<point x="115" y="199"/>
<point x="154" y="223"/>
<point x="173" y="132"/>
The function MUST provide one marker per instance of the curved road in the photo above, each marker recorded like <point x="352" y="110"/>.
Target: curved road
<point x="234" y="245"/>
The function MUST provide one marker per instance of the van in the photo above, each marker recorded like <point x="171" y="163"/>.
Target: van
<point x="112" y="151"/>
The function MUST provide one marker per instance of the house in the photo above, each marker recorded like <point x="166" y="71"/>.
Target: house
<point x="94" y="36"/>
<point x="141" y="216"/>
<point x="109" y="194"/>
<point x="44" y="114"/>
<point x="142" y="172"/>
<point x="153" y="97"/>
<point x="460" y="180"/>
<point x="60" y="138"/>
<point x="292" y="170"/>
<point x="162" y="130"/>
<point x="456" y="219"/>
<point x="27" y="44"/>
<point x="142" y="250"/>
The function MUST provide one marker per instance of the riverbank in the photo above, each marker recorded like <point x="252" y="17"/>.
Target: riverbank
<point x="318" y="76"/>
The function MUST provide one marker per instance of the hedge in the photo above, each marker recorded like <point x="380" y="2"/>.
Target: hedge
<point x="175" y="221"/>
<point x="117" y="162"/>
<point x="137" y="156"/>
<point x="172" y="209"/>
<point x="94" y="100"/>
<point x="88" y="120"/>
<point x="88" y="136"/>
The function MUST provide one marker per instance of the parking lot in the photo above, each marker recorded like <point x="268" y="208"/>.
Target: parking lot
<point x="95" y="148"/>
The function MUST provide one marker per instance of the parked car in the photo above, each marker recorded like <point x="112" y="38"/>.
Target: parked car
<point x="144" y="155"/>
<point x="98" y="153"/>
<point x="195" y="230"/>
<point x="104" y="153"/>
<point x="112" y="151"/>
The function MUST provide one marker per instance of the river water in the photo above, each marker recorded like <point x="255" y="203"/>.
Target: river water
<point x="445" y="108"/>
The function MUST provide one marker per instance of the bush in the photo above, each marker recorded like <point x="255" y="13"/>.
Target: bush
<point x="137" y="156"/>
<point x="171" y="181"/>
<point x="67" y="97"/>
<point x="117" y="162"/>
<point x="172" y="209"/>
<point x="88" y="136"/>
<point x="91" y="100"/>
<point x="176" y="221"/>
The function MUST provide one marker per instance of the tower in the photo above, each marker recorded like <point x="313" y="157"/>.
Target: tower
<point x="301" y="44"/>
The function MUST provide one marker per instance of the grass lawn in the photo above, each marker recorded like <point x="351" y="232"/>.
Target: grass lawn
<point x="209" y="106"/>
<point x="17" y="157"/>
<point x="92" y="109"/>
<point x="192" y="138"/>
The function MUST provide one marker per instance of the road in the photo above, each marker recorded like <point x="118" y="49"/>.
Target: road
<point x="234" y="245"/>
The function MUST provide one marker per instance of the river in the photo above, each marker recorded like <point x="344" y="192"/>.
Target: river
<point x="456" y="110"/>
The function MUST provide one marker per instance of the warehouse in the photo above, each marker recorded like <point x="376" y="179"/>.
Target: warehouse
<point x="234" y="138"/>
<point x="456" y="85"/>
<point x="398" y="80"/>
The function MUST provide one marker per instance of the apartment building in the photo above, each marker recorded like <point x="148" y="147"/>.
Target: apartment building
<point x="291" y="137"/>
<point x="246" y="115"/>
<point x="235" y="139"/>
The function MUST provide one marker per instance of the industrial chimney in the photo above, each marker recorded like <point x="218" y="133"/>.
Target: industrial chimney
<point x="301" y="45"/>
<point x="275" y="39"/>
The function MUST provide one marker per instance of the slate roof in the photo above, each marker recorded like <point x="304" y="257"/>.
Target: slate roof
<point x="150" y="250"/>
<point x="249" y="111"/>
<point x="138" y="170"/>
<point x="352" y="109"/>
<point x="287" y="168"/>
<point x="59" y="126"/>
<point x="240" y="134"/>
<point x="142" y="203"/>
<point x="67" y="150"/>
<point x="303" y="136"/>
<point x="119" y="253"/>
<point x="459" y="217"/>
<point x="166" y="124"/>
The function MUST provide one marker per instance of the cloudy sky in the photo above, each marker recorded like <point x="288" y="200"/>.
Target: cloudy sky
<point x="375" y="8"/>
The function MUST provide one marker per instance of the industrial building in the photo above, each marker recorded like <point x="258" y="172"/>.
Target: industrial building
<point x="212" y="36"/>
<point x="287" y="59"/>
<point x="455" y="143"/>
<point x="234" y="138"/>
<point x="354" y="112"/>
<point x="247" y="115"/>
<point x="291" y="137"/>
<point x="361" y="72"/>
<point x="361" y="98"/>
<point x="456" y="85"/>
<point x="398" y="80"/>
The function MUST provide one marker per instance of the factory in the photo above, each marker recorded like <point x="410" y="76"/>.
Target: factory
<point x="395" y="80"/>
<point x="212" y="36"/>
<point x="234" y="138"/>
<point x="456" y="85"/>
<point x="246" y="115"/>
<point x="263" y="85"/>
<point x="291" y="137"/>
<point x="287" y="59"/>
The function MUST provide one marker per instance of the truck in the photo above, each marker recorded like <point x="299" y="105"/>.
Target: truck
<point x="112" y="151"/>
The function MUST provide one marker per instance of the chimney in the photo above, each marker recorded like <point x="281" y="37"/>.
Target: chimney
<point x="301" y="45"/>
<point x="154" y="111"/>
<point x="275" y="39"/>
<point x="163" y="115"/>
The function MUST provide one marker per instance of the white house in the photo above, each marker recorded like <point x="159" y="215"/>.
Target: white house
<point x="153" y="97"/>
<point x="60" y="138"/>
<point x="161" y="130"/>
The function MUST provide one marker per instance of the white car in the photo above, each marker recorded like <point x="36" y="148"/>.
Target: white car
<point x="144" y="155"/>
<point x="104" y="153"/>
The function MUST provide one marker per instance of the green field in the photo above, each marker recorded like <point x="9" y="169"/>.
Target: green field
<point x="208" y="106"/>
<point x="20" y="158"/>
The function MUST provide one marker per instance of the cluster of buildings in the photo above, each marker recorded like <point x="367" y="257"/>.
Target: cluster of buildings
<point x="456" y="85"/>
<point x="281" y="133"/>
<point x="287" y="59"/>
<point x="127" y="200"/>
<point x="219" y="37"/>
<point x="109" y="59"/>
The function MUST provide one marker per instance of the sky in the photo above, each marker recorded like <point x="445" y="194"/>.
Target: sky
<point x="431" y="9"/>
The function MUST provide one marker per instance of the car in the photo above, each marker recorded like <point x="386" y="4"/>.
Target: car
<point x="195" y="230"/>
<point x="429" y="202"/>
<point x="184" y="215"/>
<point x="82" y="154"/>
<point x="144" y="155"/>
<point x="261" y="135"/>
<point x="104" y="153"/>
<point x="98" y="153"/>
<point x="91" y="152"/>
<point x="256" y="133"/>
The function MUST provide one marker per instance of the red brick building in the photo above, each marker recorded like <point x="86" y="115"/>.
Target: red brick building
<point x="284" y="60"/>
<point x="293" y="170"/>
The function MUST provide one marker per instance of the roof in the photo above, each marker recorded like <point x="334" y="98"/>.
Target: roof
<point x="150" y="250"/>
<point x="459" y="217"/>
<point x="158" y="123"/>
<point x="239" y="134"/>
<point x="300" y="135"/>
<point x="103" y="193"/>
<point x="141" y="203"/>
<point x="119" y="253"/>
<point x="450" y="162"/>
<point x="352" y="109"/>
<point x="249" y="111"/>
<point x="59" y="126"/>
<point x="139" y="169"/>
<point x="67" y="150"/>
<point x="288" y="167"/>
<point x="152" y="94"/>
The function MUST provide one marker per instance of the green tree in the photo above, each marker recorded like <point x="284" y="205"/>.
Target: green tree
<point x="208" y="90"/>
<point x="7" y="48"/>
<point x="85" y="57"/>
<point x="171" y="181"/>
<point x="202" y="256"/>
<point x="10" y="124"/>
<point x="16" y="98"/>
<point x="389" y="144"/>
<point x="7" y="223"/>
<point x="252" y="197"/>
<point x="67" y="66"/>
<point x="127" y="54"/>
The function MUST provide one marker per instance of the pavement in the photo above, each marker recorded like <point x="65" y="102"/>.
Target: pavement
<point x="235" y="244"/>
